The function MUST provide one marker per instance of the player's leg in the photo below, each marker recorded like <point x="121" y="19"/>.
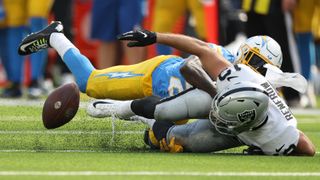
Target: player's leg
<point x="131" y="10"/>
<point x="14" y="23"/>
<point x="105" y="30"/>
<point x="197" y="9"/>
<point x="166" y="14"/>
<point x="52" y="36"/>
<point x="198" y="136"/>
<point x="119" y="82"/>
<point x="193" y="103"/>
<point x="38" y="12"/>
<point x="125" y="82"/>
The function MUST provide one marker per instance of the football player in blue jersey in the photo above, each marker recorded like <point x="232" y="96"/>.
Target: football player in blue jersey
<point x="158" y="76"/>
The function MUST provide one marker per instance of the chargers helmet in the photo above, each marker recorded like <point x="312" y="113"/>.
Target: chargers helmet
<point x="259" y="50"/>
<point x="239" y="107"/>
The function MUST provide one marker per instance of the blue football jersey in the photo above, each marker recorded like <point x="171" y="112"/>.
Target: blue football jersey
<point x="167" y="79"/>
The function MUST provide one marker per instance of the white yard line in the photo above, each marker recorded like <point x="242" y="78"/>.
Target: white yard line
<point x="39" y="103"/>
<point x="69" y="132"/>
<point x="68" y="151"/>
<point x="27" y="102"/>
<point x="152" y="173"/>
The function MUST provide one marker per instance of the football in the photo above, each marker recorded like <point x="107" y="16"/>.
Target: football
<point x="61" y="106"/>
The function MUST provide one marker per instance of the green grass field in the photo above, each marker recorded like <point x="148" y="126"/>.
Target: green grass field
<point x="88" y="148"/>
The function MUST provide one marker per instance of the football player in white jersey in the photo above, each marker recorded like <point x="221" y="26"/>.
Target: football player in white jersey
<point x="245" y="111"/>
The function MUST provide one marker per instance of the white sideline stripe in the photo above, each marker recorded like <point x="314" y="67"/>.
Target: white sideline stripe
<point x="71" y="132"/>
<point x="39" y="103"/>
<point x="51" y="151"/>
<point x="151" y="173"/>
<point x="67" y="151"/>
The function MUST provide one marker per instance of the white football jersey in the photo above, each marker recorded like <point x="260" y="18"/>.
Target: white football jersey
<point x="278" y="134"/>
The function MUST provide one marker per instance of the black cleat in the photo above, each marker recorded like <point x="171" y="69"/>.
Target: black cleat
<point x="37" y="41"/>
<point x="13" y="91"/>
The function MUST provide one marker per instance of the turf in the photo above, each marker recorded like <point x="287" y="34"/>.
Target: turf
<point x="88" y="148"/>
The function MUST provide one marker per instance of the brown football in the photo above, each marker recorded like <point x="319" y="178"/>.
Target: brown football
<point x="61" y="106"/>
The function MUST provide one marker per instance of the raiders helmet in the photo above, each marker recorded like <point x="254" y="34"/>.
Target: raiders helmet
<point x="259" y="50"/>
<point x="239" y="107"/>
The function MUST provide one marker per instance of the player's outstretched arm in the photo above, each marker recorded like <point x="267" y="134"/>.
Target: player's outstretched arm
<point x="213" y="62"/>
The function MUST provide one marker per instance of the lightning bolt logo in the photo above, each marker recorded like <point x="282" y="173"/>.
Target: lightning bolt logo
<point x="119" y="75"/>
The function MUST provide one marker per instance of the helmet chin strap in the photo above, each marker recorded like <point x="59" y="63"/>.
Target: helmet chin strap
<point x="277" y="78"/>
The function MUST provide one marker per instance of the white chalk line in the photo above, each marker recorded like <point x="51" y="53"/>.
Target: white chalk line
<point x="66" y="151"/>
<point x="69" y="132"/>
<point x="84" y="104"/>
<point x="152" y="173"/>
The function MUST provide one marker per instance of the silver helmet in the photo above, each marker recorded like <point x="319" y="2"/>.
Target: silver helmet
<point x="239" y="107"/>
<point x="257" y="51"/>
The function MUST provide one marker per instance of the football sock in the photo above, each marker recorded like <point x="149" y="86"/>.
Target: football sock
<point x="38" y="60"/>
<point x="78" y="64"/>
<point x="146" y="106"/>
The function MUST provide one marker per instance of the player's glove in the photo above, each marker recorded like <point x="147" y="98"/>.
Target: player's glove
<point x="139" y="38"/>
<point x="172" y="147"/>
<point x="253" y="150"/>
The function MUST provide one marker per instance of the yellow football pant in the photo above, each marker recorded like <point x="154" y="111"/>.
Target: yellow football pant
<point x="124" y="82"/>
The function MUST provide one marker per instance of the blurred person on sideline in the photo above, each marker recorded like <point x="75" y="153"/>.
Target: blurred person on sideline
<point x="302" y="24"/>
<point x="168" y="12"/>
<point x="110" y="18"/>
<point x="21" y="17"/>
<point x="316" y="34"/>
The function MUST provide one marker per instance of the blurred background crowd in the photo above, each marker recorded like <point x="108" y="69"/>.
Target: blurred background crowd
<point x="92" y="25"/>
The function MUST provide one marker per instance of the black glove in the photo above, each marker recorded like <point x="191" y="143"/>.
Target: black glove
<point x="139" y="38"/>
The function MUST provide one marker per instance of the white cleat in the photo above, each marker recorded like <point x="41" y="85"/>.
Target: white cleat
<point x="110" y="108"/>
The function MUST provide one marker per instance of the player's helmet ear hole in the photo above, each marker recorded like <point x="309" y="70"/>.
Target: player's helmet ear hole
<point x="257" y="103"/>
<point x="240" y="100"/>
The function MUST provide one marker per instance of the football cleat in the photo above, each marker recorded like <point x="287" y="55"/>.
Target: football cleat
<point x="37" y="41"/>
<point x="110" y="108"/>
<point x="13" y="91"/>
<point x="34" y="90"/>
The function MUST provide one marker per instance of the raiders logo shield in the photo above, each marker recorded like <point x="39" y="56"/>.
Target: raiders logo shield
<point x="246" y="115"/>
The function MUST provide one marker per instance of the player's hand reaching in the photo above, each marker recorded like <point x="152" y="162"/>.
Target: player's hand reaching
<point x="139" y="38"/>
